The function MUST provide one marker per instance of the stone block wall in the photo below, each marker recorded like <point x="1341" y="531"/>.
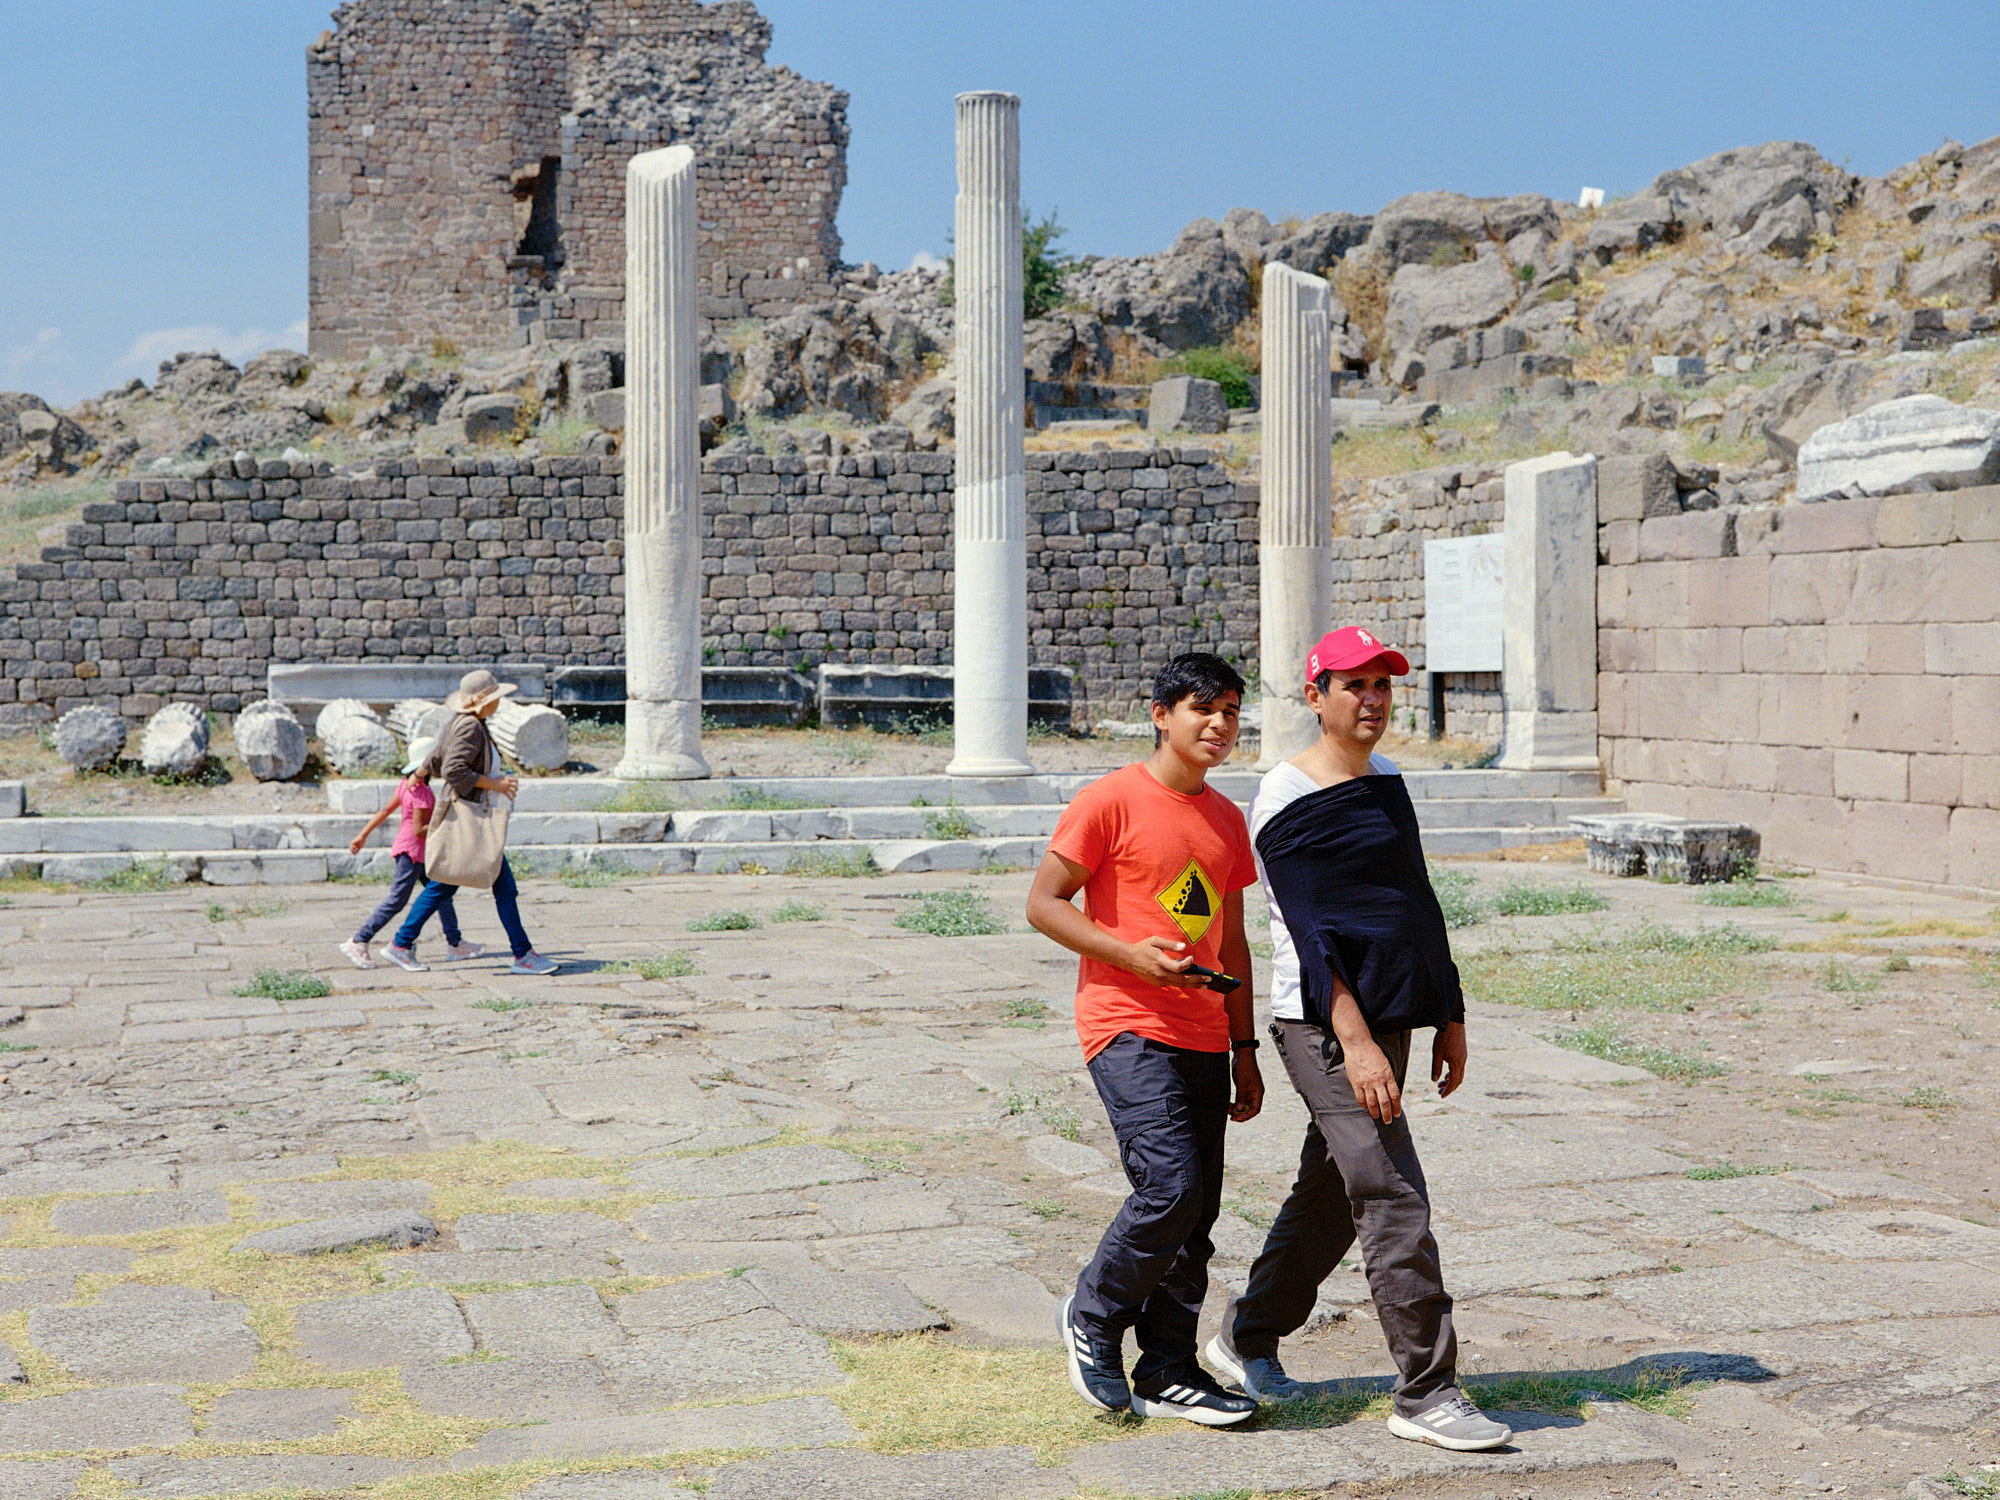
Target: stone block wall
<point x="467" y="166"/>
<point x="1828" y="673"/>
<point x="1379" y="530"/>
<point x="189" y="588"/>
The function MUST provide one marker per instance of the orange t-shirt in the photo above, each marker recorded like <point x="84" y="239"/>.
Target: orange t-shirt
<point x="1160" y="864"/>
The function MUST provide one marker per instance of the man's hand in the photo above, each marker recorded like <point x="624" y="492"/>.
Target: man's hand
<point x="1373" y="1081"/>
<point x="1153" y="960"/>
<point x="1249" y="1086"/>
<point x="1448" y="1058"/>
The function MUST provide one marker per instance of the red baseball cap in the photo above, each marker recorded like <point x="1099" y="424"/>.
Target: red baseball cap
<point x="1350" y="647"/>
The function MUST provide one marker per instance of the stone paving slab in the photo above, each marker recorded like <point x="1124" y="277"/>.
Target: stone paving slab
<point x="657" y="1370"/>
<point x="1174" y="1463"/>
<point x="774" y="1169"/>
<point x="972" y="1474"/>
<point x="49" y="1479"/>
<point x="921" y="1249"/>
<point x="879" y="1207"/>
<point x="689" y="1302"/>
<point x="157" y="1475"/>
<point x="758" y="1216"/>
<point x="1855" y="1184"/>
<point x="39" y="1291"/>
<point x="276" y="1416"/>
<point x="474" y="1267"/>
<point x="140" y="1213"/>
<point x="512" y="1389"/>
<point x="703" y="1258"/>
<point x="37" y="1178"/>
<point x="145" y="1416"/>
<point x="313" y="1200"/>
<point x="997" y="1301"/>
<point x="557" y="1231"/>
<point x="549" y="1321"/>
<point x="843" y="1301"/>
<point x="383" y="1328"/>
<point x="800" y="1422"/>
<point x="148" y="1333"/>
<point x="1898" y="1234"/>
<point x="622" y="1484"/>
<point x="1525" y="1255"/>
<point x="395" y="1229"/>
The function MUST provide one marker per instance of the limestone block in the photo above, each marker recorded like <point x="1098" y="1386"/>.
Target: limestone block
<point x="175" y="742"/>
<point x="1635" y="487"/>
<point x="493" y="418"/>
<point x="532" y="735"/>
<point x="361" y="747"/>
<point x="606" y="409"/>
<point x="1915" y="520"/>
<point x="1962" y="650"/>
<point x="1976" y="515"/>
<point x="270" y="741"/>
<point x="1187" y="403"/>
<point x="1706" y="533"/>
<point x="13" y="799"/>
<point x="1550" y="636"/>
<point x="1729" y="591"/>
<point x="1974" y="857"/>
<point x="338" y="712"/>
<point x="1877" y="775"/>
<point x="1941" y="779"/>
<point x="89" y="738"/>
<point x="1911" y="443"/>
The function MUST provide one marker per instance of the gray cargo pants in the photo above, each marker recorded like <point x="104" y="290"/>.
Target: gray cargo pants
<point x="1357" y="1179"/>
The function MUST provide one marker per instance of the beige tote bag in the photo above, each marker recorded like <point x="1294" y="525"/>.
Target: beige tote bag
<point x="467" y="841"/>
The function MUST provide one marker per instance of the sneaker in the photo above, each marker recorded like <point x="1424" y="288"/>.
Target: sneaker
<point x="358" y="954"/>
<point x="459" y="952"/>
<point x="532" y="962"/>
<point x="403" y="958"/>
<point x="1194" y="1395"/>
<point x="1261" y="1379"/>
<point x="1455" y="1424"/>
<point x="1096" y="1366"/>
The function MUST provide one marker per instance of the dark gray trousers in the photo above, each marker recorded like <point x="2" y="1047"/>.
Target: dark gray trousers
<point x="1357" y="1179"/>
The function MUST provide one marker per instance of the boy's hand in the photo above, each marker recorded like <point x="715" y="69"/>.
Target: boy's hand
<point x="1373" y="1081"/>
<point x="1249" y="1087"/>
<point x="1153" y="960"/>
<point x="1448" y="1058"/>
<point x="355" y="846"/>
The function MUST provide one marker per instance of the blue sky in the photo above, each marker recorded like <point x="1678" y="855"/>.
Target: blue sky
<point x="155" y="152"/>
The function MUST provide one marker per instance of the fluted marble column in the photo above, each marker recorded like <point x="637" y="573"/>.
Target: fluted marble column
<point x="990" y="502"/>
<point x="662" y="472"/>
<point x="1295" y="511"/>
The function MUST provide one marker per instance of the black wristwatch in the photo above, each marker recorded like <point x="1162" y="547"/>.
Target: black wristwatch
<point x="1245" y="1044"/>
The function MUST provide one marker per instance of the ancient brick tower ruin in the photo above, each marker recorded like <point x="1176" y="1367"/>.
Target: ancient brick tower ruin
<point x="468" y="166"/>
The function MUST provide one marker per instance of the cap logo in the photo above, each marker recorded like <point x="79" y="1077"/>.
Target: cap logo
<point x="1366" y="639"/>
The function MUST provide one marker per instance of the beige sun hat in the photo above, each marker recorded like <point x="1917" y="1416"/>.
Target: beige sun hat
<point x="475" y="689"/>
<point x="420" y="751"/>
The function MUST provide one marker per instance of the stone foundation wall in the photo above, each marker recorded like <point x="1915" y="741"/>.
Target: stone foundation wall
<point x="1828" y="673"/>
<point x="1379" y="530"/>
<point x="190" y="588"/>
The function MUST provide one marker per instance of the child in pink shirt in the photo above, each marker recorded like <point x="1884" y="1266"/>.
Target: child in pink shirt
<point x="416" y="801"/>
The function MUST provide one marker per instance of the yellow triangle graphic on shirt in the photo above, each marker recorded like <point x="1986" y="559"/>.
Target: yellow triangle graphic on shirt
<point x="1192" y="901"/>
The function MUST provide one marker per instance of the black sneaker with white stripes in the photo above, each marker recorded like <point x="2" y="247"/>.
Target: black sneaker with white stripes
<point x="1192" y="1394"/>
<point x="1096" y="1366"/>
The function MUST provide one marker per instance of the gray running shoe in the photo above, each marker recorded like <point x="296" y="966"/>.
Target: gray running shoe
<point x="1260" y="1379"/>
<point x="1455" y="1424"/>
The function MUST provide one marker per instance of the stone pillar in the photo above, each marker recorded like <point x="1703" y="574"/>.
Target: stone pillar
<point x="990" y="501"/>
<point x="662" y="472"/>
<point x="1549" y="633"/>
<point x="1295" y="510"/>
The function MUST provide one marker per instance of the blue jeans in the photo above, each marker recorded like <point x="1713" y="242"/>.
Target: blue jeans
<point x="409" y="875"/>
<point x="505" y="901"/>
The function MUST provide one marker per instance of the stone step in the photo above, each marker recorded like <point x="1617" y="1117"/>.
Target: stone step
<point x="334" y="831"/>
<point x="590" y="793"/>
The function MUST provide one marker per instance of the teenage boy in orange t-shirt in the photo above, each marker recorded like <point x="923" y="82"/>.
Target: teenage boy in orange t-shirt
<point x="1162" y="861"/>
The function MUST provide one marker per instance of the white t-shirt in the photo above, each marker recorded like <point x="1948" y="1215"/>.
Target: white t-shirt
<point x="1282" y="785"/>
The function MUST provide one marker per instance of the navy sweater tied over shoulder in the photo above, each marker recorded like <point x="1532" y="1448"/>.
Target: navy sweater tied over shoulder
<point x="1346" y="864"/>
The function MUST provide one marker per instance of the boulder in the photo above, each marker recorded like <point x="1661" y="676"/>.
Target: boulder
<point x="341" y="709"/>
<point x="57" y="442"/>
<point x="1966" y="275"/>
<point x="1731" y="190"/>
<point x="355" y="746"/>
<point x="929" y="408"/>
<point x="13" y="406"/>
<point x="1784" y="229"/>
<point x="1193" y="295"/>
<point x="1318" y="243"/>
<point x="1187" y="403"/>
<point x="493" y="418"/>
<point x="1437" y="229"/>
<point x="89" y="738"/>
<point x="606" y="409"/>
<point x="714" y="410"/>
<point x="1630" y="226"/>
<point x="271" y="742"/>
<point x="1066" y="348"/>
<point x="195" y="379"/>
<point x="175" y="742"/>
<point x="1428" y="303"/>
<point x="1912" y="443"/>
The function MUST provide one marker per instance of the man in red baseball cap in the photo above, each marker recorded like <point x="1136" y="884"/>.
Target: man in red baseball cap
<point x="1360" y="959"/>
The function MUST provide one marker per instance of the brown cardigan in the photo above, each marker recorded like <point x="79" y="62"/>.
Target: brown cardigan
<point x="464" y="754"/>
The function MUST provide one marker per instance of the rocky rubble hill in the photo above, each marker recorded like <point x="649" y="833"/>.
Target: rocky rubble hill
<point x="1721" y="315"/>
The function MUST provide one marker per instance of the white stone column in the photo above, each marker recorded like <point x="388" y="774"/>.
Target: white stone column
<point x="990" y="500"/>
<point x="1295" y="510"/>
<point x="662" y="472"/>
<point x="1549" y="634"/>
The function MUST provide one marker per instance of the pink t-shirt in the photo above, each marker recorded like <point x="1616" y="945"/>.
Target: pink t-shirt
<point x="416" y="798"/>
